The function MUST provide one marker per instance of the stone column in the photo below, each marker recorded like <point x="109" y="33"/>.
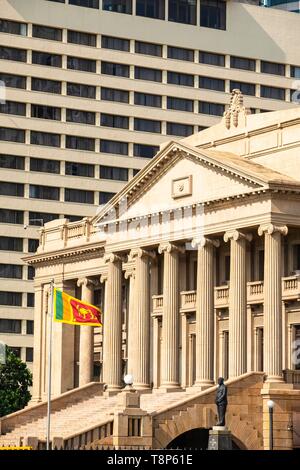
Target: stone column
<point x="272" y="301"/>
<point x="205" y="312"/>
<point x="237" y="303"/>
<point x="112" y="341"/>
<point x="140" y="334"/>
<point x="170" y="352"/>
<point x="130" y="274"/>
<point x="38" y="340"/>
<point x="86" y="342"/>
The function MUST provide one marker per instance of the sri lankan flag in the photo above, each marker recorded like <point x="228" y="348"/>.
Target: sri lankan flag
<point x="67" y="309"/>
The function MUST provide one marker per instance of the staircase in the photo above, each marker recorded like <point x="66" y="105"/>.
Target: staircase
<point x="85" y="415"/>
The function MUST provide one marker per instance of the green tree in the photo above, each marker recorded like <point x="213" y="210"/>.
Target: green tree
<point x="15" y="379"/>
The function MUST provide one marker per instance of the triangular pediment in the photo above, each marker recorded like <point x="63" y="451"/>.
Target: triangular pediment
<point x="182" y="175"/>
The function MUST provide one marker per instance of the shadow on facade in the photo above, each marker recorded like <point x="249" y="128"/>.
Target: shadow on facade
<point x="196" y="439"/>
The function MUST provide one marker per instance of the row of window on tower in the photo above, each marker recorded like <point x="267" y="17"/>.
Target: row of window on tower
<point x="212" y="12"/>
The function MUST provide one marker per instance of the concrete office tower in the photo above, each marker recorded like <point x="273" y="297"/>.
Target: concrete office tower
<point x="94" y="87"/>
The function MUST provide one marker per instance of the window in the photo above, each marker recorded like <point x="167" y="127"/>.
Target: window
<point x="104" y="197"/>
<point x="44" y="58"/>
<point x="212" y="83"/>
<point x="83" y="91"/>
<point x="145" y="151"/>
<point x="12" y="135"/>
<point x="147" y="125"/>
<point x="30" y="323"/>
<point x="13" y="27"/>
<point x="113" y="173"/>
<point x="227" y="267"/>
<point x="12" y="107"/>
<point x="215" y="109"/>
<point x="183" y="79"/>
<point x="10" y="326"/>
<point x="43" y="192"/>
<point x="74" y="218"/>
<point x="111" y="94"/>
<point x="118" y="6"/>
<point x="45" y="32"/>
<point x="45" y="216"/>
<point x="143" y="73"/>
<point x="45" y="112"/>
<point x="173" y="128"/>
<point x="112" y="146"/>
<point x="211" y="58"/>
<point x="135" y="171"/>
<point x="11" y="244"/>
<point x="84" y="39"/>
<point x="272" y="92"/>
<point x="148" y="48"/>
<point x="11" y="271"/>
<point x="85" y="3"/>
<point x="145" y="99"/>
<point x="9" y="216"/>
<point x="30" y="273"/>
<point x="112" y="120"/>
<point x="44" y="138"/>
<point x="78" y="195"/>
<point x="245" y="88"/>
<point x="29" y="355"/>
<point x="119" y="70"/>
<point x="11" y="53"/>
<point x="180" y="54"/>
<point x="12" y="161"/>
<point x="45" y="166"/>
<point x="80" y="143"/>
<point x="151" y="8"/>
<point x="11" y="189"/>
<point x="242" y="63"/>
<point x="272" y="67"/>
<point x="84" y="65"/>
<point x="295" y="71"/>
<point x="13" y="81"/>
<point x="16" y="351"/>
<point x="180" y="104"/>
<point x="11" y="298"/>
<point x="83" y="117"/>
<point x="32" y="245"/>
<point x="109" y="42"/>
<point x="46" y="86"/>
<point x="80" y="169"/>
<point x="213" y="14"/>
<point x="182" y="11"/>
<point x="296" y="363"/>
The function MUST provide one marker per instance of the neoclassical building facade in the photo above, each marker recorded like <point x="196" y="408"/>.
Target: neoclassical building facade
<point x="195" y="264"/>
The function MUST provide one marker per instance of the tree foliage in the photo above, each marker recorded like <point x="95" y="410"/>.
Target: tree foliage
<point x="15" y="379"/>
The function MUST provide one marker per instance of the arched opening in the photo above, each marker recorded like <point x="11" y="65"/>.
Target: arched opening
<point x="197" y="439"/>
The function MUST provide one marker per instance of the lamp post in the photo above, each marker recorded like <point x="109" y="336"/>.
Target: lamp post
<point x="270" y="405"/>
<point x="128" y="379"/>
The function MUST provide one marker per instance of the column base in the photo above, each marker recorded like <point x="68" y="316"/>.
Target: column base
<point x="274" y="379"/>
<point x="170" y="388"/>
<point x="203" y="385"/>
<point x="142" y="388"/>
<point x="112" y="390"/>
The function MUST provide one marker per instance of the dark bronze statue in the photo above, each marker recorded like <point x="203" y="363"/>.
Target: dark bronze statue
<point x="221" y="401"/>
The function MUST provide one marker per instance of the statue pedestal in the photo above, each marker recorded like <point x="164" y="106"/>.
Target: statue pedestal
<point x="219" y="439"/>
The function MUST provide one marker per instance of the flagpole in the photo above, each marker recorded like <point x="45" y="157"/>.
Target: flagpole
<point x="50" y="364"/>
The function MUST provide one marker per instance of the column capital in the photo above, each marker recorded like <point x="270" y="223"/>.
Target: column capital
<point x="112" y="258"/>
<point x="140" y="253"/>
<point x="103" y="278"/>
<point x="129" y="272"/>
<point x="169" y="247"/>
<point x="86" y="282"/>
<point x="204" y="241"/>
<point x="237" y="235"/>
<point x="271" y="228"/>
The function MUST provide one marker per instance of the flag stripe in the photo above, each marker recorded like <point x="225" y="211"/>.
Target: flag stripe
<point x="58" y="305"/>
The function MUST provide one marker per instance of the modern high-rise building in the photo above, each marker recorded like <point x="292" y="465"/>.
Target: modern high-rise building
<point x="91" y="88"/>
<point x="287" y="5"/>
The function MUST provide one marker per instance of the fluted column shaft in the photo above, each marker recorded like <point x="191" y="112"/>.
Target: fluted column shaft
<point x="130" y="323"/>
<point x="86" y="341"/>
<point x="170" y="327"/>
<point x="112" y="347"/>
<point x="205" y="312"/>
<point x="140" y="335"/>
<point x="273" y="301"/>
<point x="237" y="303"/>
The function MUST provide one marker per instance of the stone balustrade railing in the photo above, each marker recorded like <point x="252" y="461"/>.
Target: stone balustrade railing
<point x="255" y="294"/>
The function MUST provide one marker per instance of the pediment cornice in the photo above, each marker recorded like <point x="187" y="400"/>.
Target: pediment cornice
<point x="58" y="256"/>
